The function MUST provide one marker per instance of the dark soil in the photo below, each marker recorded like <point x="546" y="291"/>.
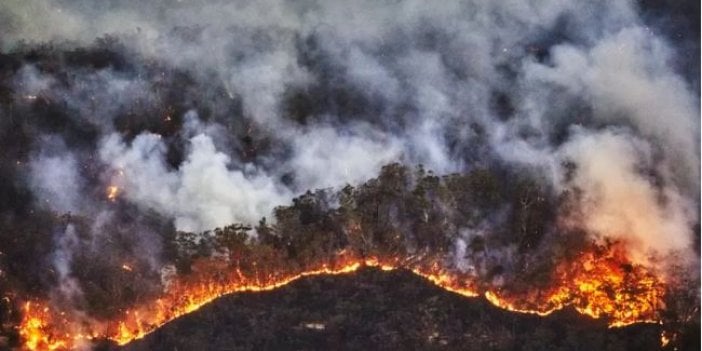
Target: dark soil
<point x="375" y="310"/>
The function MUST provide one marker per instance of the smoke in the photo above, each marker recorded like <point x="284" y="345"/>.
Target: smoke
<point x="202" y="114"/>
<point x="625" y="77"/>
<point x="202" y="194"/>
<point x="621" y="201"/>
<point x="55" y="178"/>
<point x="326" y="158"/>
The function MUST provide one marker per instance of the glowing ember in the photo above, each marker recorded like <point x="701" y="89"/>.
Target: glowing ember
<point x="600" y="284"/>
<point x="665" y="340"/>
<point x="112" y="192"/>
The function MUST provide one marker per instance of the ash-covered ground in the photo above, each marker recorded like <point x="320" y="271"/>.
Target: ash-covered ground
<point x="377" y="310"/>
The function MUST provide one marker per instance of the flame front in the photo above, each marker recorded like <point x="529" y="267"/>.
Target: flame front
<point x="600" y="284"/>
<point x="35" y="329"/>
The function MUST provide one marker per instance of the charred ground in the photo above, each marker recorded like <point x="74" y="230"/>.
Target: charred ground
<point x="396" y="310"/>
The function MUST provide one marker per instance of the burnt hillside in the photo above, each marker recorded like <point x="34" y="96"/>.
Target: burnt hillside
<point x="371" y="310"/>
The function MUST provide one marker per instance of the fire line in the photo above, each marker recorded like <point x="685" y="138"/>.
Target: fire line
<point x="595" y="286"/>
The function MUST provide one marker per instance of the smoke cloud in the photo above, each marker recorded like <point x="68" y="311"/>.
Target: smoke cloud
<point x="202" y="194"/>
<point x="620" y="201"/>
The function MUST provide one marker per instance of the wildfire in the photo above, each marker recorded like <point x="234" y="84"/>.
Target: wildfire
<point x="34" y="329"/>
<point x="600" y="284"/>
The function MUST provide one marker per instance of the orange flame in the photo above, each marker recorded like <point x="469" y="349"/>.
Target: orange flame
<point x="35" y="332"/>
<point x="600" y="284"/>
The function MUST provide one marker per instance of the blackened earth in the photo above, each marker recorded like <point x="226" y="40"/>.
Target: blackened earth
<point x="376" y="310"/>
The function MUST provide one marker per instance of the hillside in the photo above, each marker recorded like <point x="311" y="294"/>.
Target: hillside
<point x="371" y="310"/>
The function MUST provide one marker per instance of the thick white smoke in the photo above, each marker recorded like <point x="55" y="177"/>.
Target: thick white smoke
<point x="626" y="77"/>
<point x="56" y="182"/>
<point x="620" y="201"/>
<point x="202" y="194"/>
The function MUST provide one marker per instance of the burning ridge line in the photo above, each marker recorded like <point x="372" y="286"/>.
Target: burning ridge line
<point x="45" y="329"/>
